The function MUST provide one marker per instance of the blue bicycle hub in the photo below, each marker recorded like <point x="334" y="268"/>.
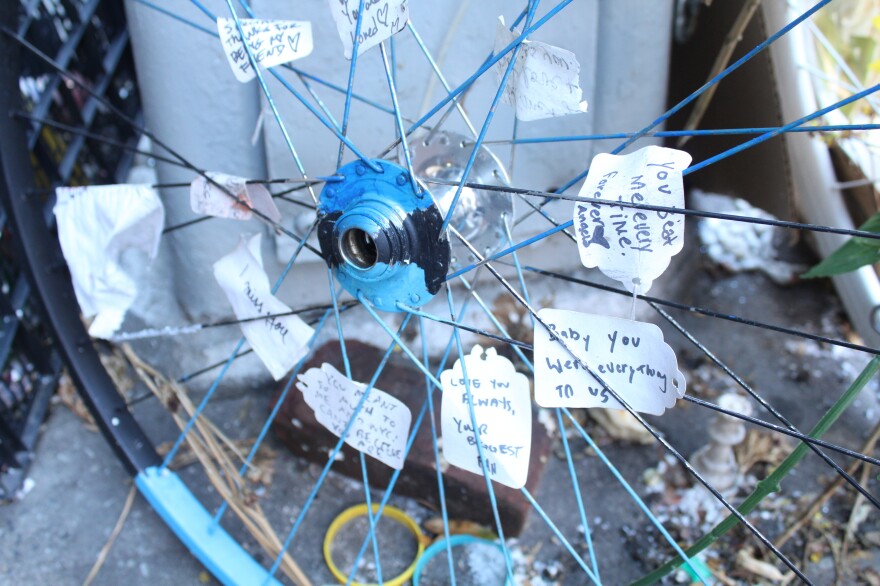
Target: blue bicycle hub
<point x="381" y="235"/>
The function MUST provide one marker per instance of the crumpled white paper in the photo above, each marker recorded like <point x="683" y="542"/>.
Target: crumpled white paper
<point x="544" y="82"/>
<point x="279" y="340"/>
<point x="207" y="198"/>
<point x="96" y="225"/>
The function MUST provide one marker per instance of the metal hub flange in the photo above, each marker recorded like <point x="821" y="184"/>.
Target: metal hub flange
<point x="480" y="214"/>
<point x="380" y="237"/>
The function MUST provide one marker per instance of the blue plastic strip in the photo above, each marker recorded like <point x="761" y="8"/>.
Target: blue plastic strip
<point x="448" y="543"/>
<point x="192" y="523"/>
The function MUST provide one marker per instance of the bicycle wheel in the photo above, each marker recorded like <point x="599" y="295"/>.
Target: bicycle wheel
<point x="434" y="247"/>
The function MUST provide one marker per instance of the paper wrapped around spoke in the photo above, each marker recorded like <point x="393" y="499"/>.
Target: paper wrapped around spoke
<point x="544" y="82"/>
<point x="629" y="356"/>
<point x="231" y="197"/>
<point x="502" y="412"/>
<point x="381" y="20"/>
<point x="279" y="340"/>
<point x="633" y="246"/>
<point x="272" y="42"/>
<point x="96" y="226"/>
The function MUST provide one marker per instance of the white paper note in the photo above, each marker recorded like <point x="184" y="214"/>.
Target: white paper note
<point x="630" y="356"/>
<point x="279" y="340"/>
<point x="631" y="245"/>
<point x="207" y="198"/>
<point x="96" y="225"/>
<point x="382" y="19"/>
<point x="544" y="82"/>
<point x="382" y="425"/>
<point x="272" y="42"/>
<point x="503" y="413"/>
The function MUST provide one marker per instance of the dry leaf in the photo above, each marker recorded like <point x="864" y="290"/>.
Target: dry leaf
<point x="459" y="527"/>
<point x="69" y="397"/>
<point x="754" y="566"/>
<point x="621" y="425"/>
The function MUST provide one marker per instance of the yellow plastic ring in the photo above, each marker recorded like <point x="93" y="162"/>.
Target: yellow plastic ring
<point x="359" y="511"/>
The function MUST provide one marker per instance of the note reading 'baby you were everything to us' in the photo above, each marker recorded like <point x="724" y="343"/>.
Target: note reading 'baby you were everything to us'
<point x="630" y="357"/>
<point x="502" y="417"/>
<point x="632" y="245"/>
<point x="381" y="426"/>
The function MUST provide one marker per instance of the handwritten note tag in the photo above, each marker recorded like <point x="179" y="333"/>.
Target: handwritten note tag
<point x="382" y="425"/>
<point x="272" y="42"/>
<point x="544" y="82"/>
<point x="382" y="18"/>
<point x="279" y="340"/>
<point x="630" y="356"/>
<point x="96" y="225"/>
<point x="503" y="412"/>
<point x="630" y="245"/>
<point x="207" y="198"/>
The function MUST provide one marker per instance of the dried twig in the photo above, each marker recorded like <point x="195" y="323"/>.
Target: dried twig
<point x="212" y="448"/>
<point x="102" y="555"/>
<point x="828" y="492"/>
<point x="730" y="42"/>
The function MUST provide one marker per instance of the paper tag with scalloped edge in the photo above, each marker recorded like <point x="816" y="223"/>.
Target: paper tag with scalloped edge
<point x="272" y="42"/>
<point x="279" y="340"/>
<point x="381" y="20"/>
<point x="544" y="82"/>
<point x="630" y="356"/>
<point x="633" y="246"/>
<point x="381" y="427"/>
<point x="209" y="199"/>
<point x="502" y="411"/>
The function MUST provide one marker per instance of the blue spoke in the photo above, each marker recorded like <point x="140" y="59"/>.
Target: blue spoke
<point x="686" y="133"/>
<point x="436" y="382"/>
<point x="391" y="89"/>
<point x="439" y="75"/>
<point x="274" y="412"/>
<point x="330" y="124"/>
<point x="416" y="426"/>
<point x="634" y="495"/>
<point x="351" y="71"/>
<point x="488" y="121"/>
<point x="731" y="68"/>
<point x="538" y="509"/>
<point x="488" y="64"/>
<point x="332" y="456"/>
<point x="215" y="385"/>
<point x="769" y="135"/>
<point x="440" y="487"/>
<point x="269" y="99"/>
<point x="347" y="364"/>
<point x="519" y="272"/>
<point x="757" y="49"/>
